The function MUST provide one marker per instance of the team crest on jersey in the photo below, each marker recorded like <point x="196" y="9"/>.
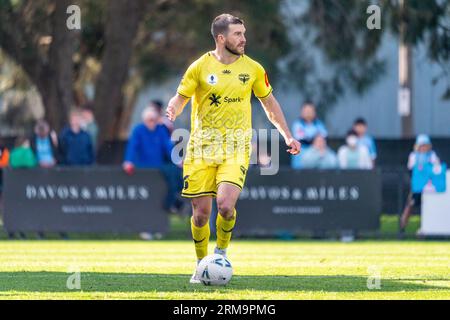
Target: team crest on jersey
<point x="212" y="79"/>
<point x="244" y="77"/>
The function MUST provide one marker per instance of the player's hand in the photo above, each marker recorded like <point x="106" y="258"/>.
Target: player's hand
<point x="170" y="113"/>
<point x="128" y="167"/>
<point x="294" y="146"/>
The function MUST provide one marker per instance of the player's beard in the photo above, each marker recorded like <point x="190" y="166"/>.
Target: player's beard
<point x="233" y="50"/>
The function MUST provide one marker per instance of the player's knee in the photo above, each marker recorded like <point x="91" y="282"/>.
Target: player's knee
<point x="200" y="220"/>
<point x="201" y="214"/>
<point x="226" y="209"/>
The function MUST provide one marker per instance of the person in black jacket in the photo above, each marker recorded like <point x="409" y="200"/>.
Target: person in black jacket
<point x="75" y="144"/>
<point x="44" y="143"/>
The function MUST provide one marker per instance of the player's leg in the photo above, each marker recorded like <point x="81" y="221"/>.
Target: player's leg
<point x="230" y="181"/>
<point x="227" y="196"/>
<point x="199" y="185"/>
<point x="201" y="210"/>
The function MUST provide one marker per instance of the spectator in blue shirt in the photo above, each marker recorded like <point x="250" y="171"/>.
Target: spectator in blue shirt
<point x="305" y="129"/>
<point x="75" y="144"/>
<point x="421" y="156"/>
<point x="150" y="146"/>
<point x="360" y="127"/>
<point x="319" y="155"/>
<point x="44" y="144"/>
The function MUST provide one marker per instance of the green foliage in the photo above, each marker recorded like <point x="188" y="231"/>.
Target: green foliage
<point x="326" y="50"/>
<point x="337" y="41"/>
<point x="179" y="31"/>
<point x="92" y="31"/>
<point x="427" y="23"/>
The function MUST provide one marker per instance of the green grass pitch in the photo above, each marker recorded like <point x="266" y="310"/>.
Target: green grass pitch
<point x="263" y="270"/>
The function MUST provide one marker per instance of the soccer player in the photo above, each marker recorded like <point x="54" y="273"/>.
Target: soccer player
<point x="220" y="84"/>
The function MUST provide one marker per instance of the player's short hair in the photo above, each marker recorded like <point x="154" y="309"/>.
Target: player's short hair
<point x="221" y="23"/>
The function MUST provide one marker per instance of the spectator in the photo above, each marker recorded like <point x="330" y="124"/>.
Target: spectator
<point x="89" y="125"/>
<point x="150" y="146"/>
<point x="305" y="129"/>
<point x="44" y="144"/>
<point x="75" y="144"/>
<point x="22" y="156"/>
<point x="4" y="162"/>
<point x="158" y="106"/>
<point x="360" y="127"/>
<point x="319" y="155"/>
<point x="421" y="156"/>
<point x="4" y="156"/>
<point x="352" y="155"/>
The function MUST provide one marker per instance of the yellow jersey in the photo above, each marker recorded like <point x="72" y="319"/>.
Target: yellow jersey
<point x="221" y="104"/>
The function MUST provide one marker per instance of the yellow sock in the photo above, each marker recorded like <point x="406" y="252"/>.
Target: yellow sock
<point x="223" y="230"/>
<point x="200" y="235"/>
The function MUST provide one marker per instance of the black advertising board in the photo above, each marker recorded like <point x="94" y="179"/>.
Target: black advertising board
<point x="90" y="199"/>
<point x="296" y="200"/>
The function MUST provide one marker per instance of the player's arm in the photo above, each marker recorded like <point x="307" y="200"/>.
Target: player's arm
<point x="176" y="106"/>
<point x="185" y="90"/>
<point x="276" y="116"/>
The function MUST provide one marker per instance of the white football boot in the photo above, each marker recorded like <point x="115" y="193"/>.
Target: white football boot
<point x="222" y="252"/>
<point x="195" y="279"/>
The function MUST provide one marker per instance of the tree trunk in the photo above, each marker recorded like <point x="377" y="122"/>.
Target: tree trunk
<point x="123" y="122"/>
<point x="121" y="28"/>
<point x="57" y="77"/>
<point x="51" y="73"/>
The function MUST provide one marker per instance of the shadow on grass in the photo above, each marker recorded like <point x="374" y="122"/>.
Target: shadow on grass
<point x="137" y="282"/>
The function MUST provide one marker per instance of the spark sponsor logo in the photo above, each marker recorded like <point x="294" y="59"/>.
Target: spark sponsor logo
<point x="215" y="100"/>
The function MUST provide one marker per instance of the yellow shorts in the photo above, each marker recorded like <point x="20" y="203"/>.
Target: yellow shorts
<point x="203" y="178"/>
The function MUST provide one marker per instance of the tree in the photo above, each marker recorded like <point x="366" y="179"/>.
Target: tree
<point x="120" y="32"/>
<point x="337" y="31"/>
<point x="34" y="34"/>
<point x="153" y="39"/>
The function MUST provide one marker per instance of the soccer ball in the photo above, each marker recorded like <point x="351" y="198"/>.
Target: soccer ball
<point x="214" y="270"/>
